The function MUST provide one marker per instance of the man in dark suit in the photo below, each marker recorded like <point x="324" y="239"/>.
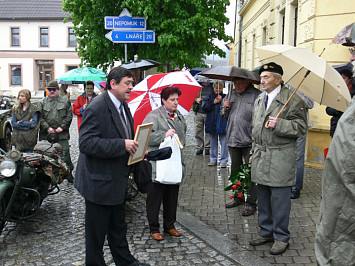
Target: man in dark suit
<point x="105" y="143"/>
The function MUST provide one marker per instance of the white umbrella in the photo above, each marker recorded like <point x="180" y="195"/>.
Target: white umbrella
<point x="322" y="83"/>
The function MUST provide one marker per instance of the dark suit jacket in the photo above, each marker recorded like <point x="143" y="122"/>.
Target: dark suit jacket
<point x="102" y="171"/>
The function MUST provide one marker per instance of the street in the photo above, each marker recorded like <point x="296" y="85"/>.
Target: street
<point x="212" y="234"/>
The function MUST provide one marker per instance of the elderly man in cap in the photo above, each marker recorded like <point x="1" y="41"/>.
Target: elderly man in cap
<point x="237" y="109"/>
<point x="273" y="156"/>
<point x="56" y="116"/>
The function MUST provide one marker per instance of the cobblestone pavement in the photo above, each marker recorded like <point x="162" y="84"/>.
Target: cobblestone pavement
<point x="202" y="196"/>
<point x="212" y="234"/>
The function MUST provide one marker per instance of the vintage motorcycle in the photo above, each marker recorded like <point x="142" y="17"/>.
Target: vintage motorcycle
<point x="26" y="179"/>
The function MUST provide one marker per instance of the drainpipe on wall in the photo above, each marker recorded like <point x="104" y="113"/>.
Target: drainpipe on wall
<point x="240" y="42"/>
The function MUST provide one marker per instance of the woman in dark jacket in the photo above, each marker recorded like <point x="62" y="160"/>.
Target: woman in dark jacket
<point x="25" y="117"/>
<point x="215" y="125"/>
<point x="347" y="76"/>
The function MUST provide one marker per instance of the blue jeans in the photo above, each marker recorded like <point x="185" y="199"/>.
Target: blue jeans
<point x="214" y="148"/>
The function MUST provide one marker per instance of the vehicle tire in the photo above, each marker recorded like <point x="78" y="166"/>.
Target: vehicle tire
<point x="5" y="143"/>
<point x="2" y="214"/>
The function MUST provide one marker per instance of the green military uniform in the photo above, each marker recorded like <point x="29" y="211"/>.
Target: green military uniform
<point x="57" y="113"/>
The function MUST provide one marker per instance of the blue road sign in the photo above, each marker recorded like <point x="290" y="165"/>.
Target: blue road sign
<point x="125" y="23"/>
<point x="137" y="36"/>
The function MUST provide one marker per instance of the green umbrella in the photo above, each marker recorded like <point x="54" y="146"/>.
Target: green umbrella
<point x="83" y="74"/>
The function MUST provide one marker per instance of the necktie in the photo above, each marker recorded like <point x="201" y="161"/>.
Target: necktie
<point x="266" y="100"/>
<point x="172" y="116"/>
<point x="122" y="114"/>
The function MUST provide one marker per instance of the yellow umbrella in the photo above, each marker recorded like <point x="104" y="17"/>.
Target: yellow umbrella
<point x="309" y="73"/>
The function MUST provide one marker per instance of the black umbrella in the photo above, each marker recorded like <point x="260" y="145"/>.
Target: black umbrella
<point x="142" y="64"/>
<point x="229" y="73"/>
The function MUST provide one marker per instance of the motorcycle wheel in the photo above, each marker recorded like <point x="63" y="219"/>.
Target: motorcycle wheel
<point x="2" y="214"/>
<point x="5" y="143"/>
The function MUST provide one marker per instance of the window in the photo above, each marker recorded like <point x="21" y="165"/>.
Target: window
<point x="43" y="37"/>
<point x="71" y="68"/>
<point x="71" y="37"/>
<point x="295" y="28"/>
<point x="15" y="74"/>
<point x="15" y="37"/>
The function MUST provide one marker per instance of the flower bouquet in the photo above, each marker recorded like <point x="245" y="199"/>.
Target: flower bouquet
<point x="241" y="181"/>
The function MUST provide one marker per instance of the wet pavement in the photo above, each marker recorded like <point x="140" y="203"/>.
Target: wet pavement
<point x="212" y="234"/>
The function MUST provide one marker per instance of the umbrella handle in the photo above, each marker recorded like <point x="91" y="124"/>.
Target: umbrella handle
<point x="289" y="99"/>
<point x="179" y="142"/>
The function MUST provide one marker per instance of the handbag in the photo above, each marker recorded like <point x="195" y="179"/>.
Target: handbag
<point x="143" y="176"/>
<point x="169" y="171"/>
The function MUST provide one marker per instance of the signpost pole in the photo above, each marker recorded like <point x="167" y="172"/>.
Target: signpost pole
<point x="125" y="52"/>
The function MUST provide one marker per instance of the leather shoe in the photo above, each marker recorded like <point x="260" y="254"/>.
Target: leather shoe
<point x="295" y="194"/>
<point x="137" y="263"/>
<point x="173" y="232"/>
<point x="249" y="210"/>
<point x="70" y="178"/>
<point x="199" y="152"/>
<point x="157" y="236"/>
<point x="234" y="203"/>
<point x="207" y="151"/>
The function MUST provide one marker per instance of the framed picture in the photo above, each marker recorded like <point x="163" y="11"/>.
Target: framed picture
<point x="142" y="137"/>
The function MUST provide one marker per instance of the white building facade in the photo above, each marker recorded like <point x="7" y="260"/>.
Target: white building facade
<point x="36" y="46"/>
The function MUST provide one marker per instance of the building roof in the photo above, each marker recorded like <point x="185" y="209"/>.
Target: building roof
<point x="32" y="10"/>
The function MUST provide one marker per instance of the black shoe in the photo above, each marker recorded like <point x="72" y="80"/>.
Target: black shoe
<point x="295" y="194"/>
<point x="71" y="178"/>
<point x="234" y="203"/>
<point x="199" y="152"/>
<point x="207" y="151"/>
<point x="137" y="263"/>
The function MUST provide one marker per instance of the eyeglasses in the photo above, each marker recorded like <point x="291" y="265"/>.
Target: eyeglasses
<point x="51" y="89"/>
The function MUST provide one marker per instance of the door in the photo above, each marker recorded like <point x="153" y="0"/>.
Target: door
<point x="45" y="74"/>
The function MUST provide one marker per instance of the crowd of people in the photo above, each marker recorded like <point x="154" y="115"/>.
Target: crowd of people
<point x="235" y="123"/>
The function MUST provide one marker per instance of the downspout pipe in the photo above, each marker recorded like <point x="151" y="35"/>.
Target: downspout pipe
<point x="240" y="42"/>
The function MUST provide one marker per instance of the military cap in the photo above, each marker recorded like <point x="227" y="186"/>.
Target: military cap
<point x="53" y="85"/>
<point x="271" y="67"/>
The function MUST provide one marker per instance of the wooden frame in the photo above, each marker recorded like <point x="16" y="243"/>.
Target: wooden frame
<point x="142" y="137"/>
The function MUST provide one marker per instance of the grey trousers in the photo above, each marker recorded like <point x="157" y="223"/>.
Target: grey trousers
<point x="202" y="138"/>
<point x="237" y="156"/>
<point x="274" y="206"/>
<point x="301" y="146"/>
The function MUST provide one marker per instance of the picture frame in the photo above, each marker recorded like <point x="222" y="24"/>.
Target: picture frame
<point x="142" y="137"/>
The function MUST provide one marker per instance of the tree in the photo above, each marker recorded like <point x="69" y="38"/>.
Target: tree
<point x="184" y="30"/>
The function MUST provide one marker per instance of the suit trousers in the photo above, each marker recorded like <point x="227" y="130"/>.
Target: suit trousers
<point x="237" y="156"/>
<point x="168" y="194"/>
<point x="274" y="206"/>
<point x="102" y="220"/>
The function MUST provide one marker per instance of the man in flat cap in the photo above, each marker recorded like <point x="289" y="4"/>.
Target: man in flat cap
<point x="56" y="116"/>
<point x="273" y="156"/>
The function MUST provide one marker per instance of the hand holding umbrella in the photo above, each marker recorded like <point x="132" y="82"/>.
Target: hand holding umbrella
<point x="309" y="73"/>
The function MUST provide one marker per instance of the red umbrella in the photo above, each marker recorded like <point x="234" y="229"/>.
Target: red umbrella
<point x="145" y="96"/>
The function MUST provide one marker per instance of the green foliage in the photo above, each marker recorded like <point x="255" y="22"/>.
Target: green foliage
<point x="241" y="181"/>
<point x="184" y="30"/>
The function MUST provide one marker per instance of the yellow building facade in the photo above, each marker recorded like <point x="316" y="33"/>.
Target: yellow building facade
<point x="310" y="24"/>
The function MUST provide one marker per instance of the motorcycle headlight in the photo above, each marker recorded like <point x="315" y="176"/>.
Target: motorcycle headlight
<point x="7" y="168"/>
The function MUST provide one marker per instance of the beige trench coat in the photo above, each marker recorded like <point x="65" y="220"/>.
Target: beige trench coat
<point x="274" y="151"/>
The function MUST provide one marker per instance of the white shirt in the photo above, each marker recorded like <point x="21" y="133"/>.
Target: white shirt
<point x="272" y="95"/>
<point x="117" y="104"/>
